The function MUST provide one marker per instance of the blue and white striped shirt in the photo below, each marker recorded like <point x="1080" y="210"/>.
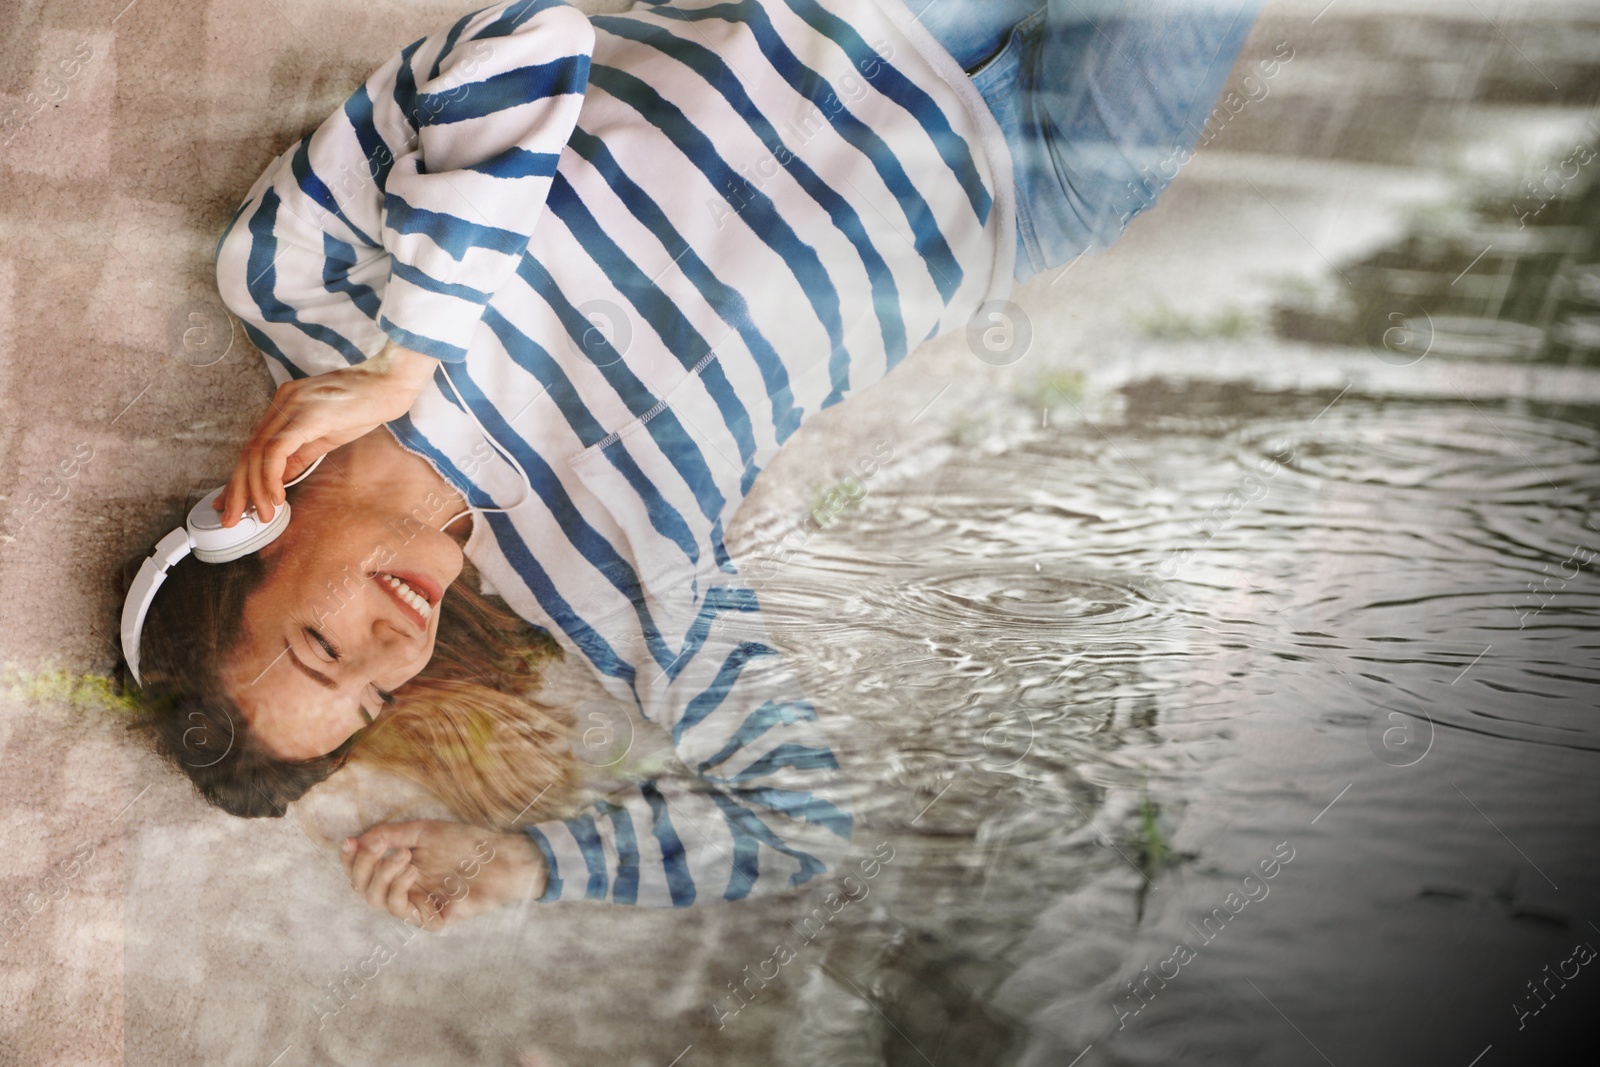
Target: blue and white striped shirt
<point x="646" y="246"/>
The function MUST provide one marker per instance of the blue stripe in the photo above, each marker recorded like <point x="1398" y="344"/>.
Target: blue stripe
<point x="588" y="542"/>
<point x="929" y="240"/>
<point x="686" y="344"/>
<point x="404" y="92"/>
<point x="594" y="856"/>
<point x="750" y="474"/>
<point x="719" y="600"/>
<point x="502" y="92"/>
<point x="587" y="639"/>
<point x="455" y="235"/>
<point x="376" y="151"/>
<point x="788" y="754"/>
<point x="262" y="281"/>
<point x="413" y="438"/>
<point x="338" y="260"/>
<point x="747" y="830"/>
<point x="584" y="539"/>
<point x="428" y="346"/>
<point x="680" y="884"/>
<point x="312" y="185"/>
<point x="802" y="805"/>
<point x="757" y="210"/>
<point x="517" y="162"/>
<point x="552" y="885"/>
<point x="625" y="890"/>
<point x="729" y="304"/>
<point x="758" y="722"/>
<point x="512" y="18"/>
<point x="270" y="347"/>
<point x="537" y="361"/>
<point x="427" y="281"/>
<point x="951" y="146"/>
<point x="717" y="74"/>
<point x="745" y="866"/>
<point x="450" y="42"/>
<point x="712" y="696"/>
<point x="530" y="356"/>
<point x="663" y="426"/>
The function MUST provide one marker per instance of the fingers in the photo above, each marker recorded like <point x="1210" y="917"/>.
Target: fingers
<point x="399" y="896"/>
<point x="234" y="499"/>
<point x="388" y="883"/>
<point x="274" y="441"/>
<point x="383" y="877"/>
<point x="301" y="459"/>
<point x="393" y="835"/>
<point x="362" y="856"/>
<point x="247" y="486"/>
<point x="366" y="861"/>
<point x="258" y="492"/>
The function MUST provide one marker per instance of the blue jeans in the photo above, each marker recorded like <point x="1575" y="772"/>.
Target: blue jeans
<point x="1101" y="102"/>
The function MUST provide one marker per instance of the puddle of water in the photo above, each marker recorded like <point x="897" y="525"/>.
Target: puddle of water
<point x="1087" y="708"/>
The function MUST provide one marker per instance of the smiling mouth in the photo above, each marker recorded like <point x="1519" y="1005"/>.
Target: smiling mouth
<point x="413" y="601"/>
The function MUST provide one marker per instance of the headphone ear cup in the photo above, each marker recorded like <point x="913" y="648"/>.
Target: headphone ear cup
<point x="214" y="543"/>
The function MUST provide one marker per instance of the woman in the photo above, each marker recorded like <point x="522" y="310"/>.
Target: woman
<point x="588" y="275"/>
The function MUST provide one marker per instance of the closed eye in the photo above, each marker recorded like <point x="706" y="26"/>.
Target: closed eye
<point x="327" y="648"/>
<point x="317" y="640"/>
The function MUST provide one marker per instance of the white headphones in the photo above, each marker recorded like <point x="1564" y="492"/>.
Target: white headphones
<point x="203" y="534"/>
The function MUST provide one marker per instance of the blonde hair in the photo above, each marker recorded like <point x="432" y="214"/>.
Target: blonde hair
<point x="468" y="728"/>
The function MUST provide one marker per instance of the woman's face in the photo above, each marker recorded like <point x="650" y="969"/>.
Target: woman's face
<point x="348" y="612"/>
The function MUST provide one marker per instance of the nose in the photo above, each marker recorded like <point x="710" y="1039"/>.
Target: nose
<point x="394" y="639"/>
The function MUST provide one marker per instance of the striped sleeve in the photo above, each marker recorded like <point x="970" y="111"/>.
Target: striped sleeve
<point x="401" y="215"/>
<point x="765" y="809"/>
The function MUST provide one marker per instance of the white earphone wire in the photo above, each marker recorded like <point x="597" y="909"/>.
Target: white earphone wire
<point x="527" y="483"/>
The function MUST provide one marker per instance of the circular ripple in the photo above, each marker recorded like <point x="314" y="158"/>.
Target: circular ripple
<point x="1022" y="594"/>
<point x="1457" y="449"/>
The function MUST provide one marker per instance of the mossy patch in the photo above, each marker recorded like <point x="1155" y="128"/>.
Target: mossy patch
<point x="81" y="692"/>
<point x="1153" y="848"/>
<point x="1053" y="388"/>
<point x="1167" y="324"/>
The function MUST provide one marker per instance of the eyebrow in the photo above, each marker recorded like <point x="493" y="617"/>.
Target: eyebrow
<point x="316" y="676"/>
<point x="323" y="680"/>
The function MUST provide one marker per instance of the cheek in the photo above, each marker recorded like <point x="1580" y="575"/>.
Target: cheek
<point x="338" y="731"/>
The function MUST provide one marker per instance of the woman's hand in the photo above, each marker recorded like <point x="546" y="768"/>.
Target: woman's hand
<point x="438" y="872"/>
<point x="312" y="416"/>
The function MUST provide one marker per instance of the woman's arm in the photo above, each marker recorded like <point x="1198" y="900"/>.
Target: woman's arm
<point x="767" y="811"/>
<point x="400" y="216"/>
